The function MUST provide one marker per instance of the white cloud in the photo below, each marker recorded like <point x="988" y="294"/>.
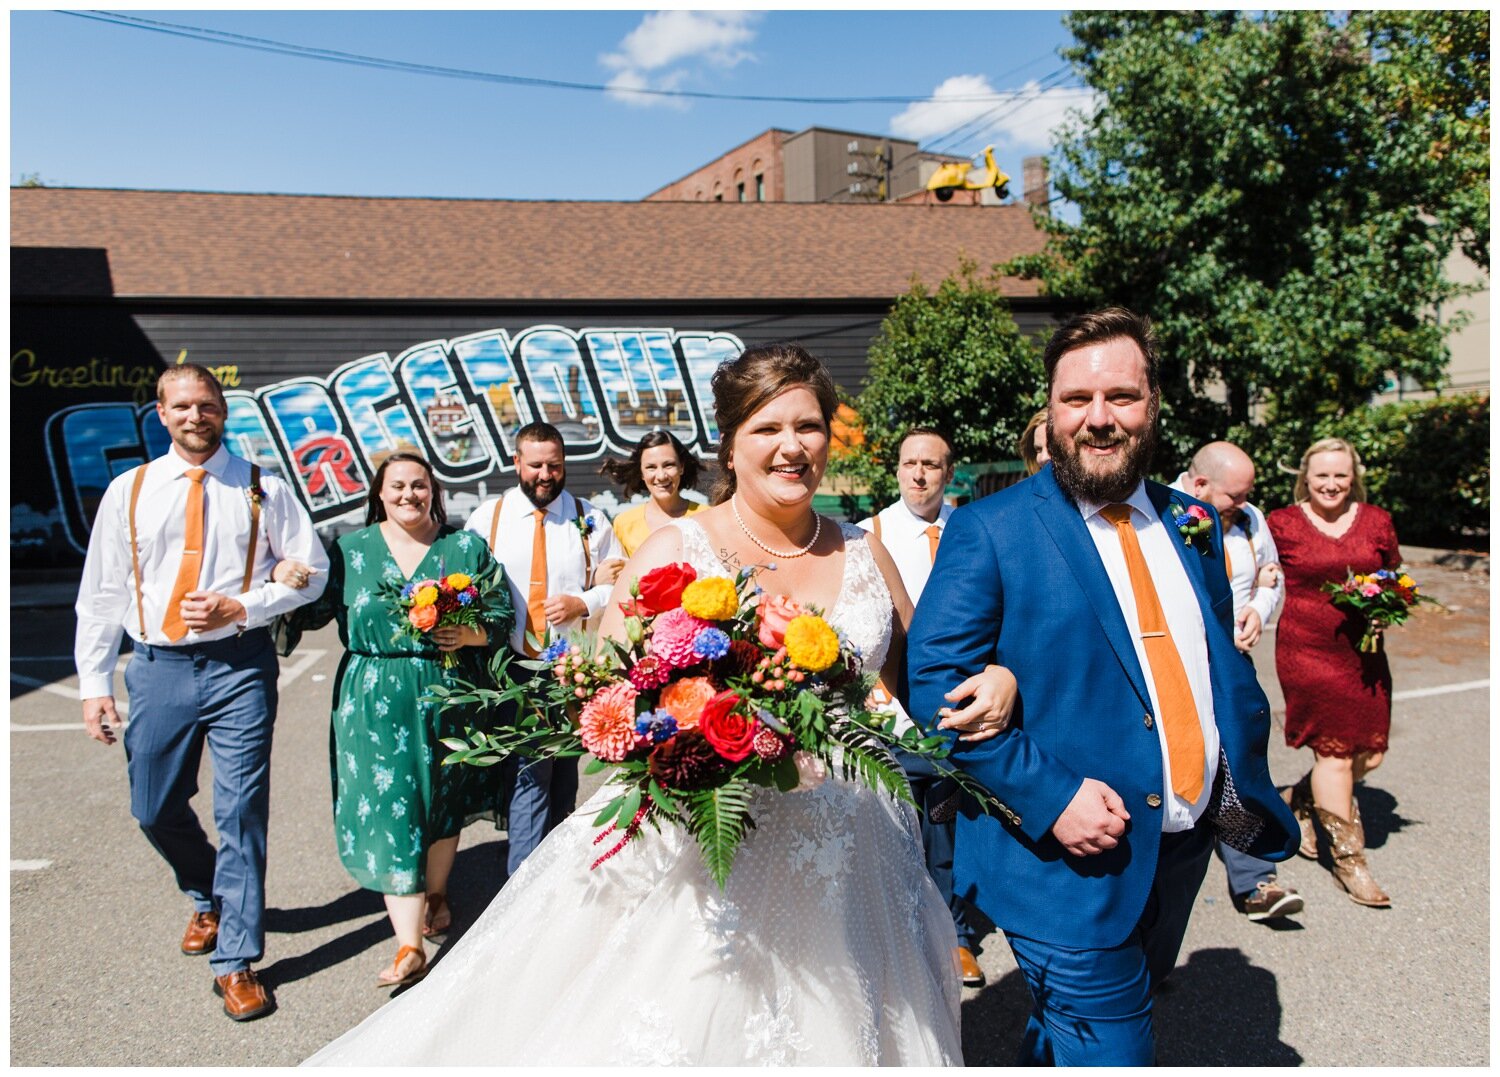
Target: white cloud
<point x="712" y="38"/>
<point x="1022" y="118"/>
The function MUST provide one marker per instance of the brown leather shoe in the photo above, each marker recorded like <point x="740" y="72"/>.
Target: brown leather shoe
<point x="973" y="975"/>
<point x="245" y="998"/>
<point x="202" y="934"/>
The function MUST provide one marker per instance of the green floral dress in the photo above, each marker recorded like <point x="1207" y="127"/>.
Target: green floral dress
<point x="392" y="797"/>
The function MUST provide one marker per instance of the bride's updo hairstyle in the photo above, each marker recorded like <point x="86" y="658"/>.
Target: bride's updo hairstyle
<point x="745" y="385"/>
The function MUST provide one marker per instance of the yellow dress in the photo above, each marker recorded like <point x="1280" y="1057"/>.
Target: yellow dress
<point x="631" y="527"/>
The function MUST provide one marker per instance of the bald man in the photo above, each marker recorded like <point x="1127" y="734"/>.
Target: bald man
<point x="1222" y="475"/>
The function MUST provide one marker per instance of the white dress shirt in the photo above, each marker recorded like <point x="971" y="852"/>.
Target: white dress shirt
<point x="565" y="559"/>
<point x="1179" y="602"/>
<point x="1250" y="548"/>
<point x="904" y="535"/>
<point x="106" y="596"/>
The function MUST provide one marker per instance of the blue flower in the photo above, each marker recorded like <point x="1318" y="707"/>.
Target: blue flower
<point x="464" y="598"/>
<point x="555" y="650"/>
<point x="409" y="589"/>
<point x="656" y="725"/>
<point x="710" y="643"/>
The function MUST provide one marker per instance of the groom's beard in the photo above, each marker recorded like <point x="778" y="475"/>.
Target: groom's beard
<point x="1107" y="481"/>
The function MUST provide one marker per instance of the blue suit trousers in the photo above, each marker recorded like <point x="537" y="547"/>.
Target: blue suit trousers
<point x="1092" y="1007"/>
<point x="223" y="694"/>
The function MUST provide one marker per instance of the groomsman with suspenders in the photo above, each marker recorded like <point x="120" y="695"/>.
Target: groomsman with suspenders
<point x="176" y="551"/>
<point x="561" y="558"/>
<point x="910" y="530"/>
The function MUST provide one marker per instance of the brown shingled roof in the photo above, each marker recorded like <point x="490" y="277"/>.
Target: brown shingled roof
<point x="186" y="244"/>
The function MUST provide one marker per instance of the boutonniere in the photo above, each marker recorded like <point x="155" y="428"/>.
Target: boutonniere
<point x="1193" y="524"/>
<point x="255" y="493"/>
<point x="585" y="524"/>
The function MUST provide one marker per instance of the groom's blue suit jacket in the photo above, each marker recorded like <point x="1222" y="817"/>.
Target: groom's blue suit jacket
<point x="1018" y="581"/>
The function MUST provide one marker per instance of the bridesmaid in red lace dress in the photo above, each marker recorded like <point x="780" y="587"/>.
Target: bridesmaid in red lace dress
<point x="1338" y="701"/>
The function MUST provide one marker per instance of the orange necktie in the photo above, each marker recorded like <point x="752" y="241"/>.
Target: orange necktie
<point x="192" y="559"/>
<point x="934" y="532"/>
<point x="1228" y="564"/>
<point x="1179" y="711"/>
<point x="536" y="597"/>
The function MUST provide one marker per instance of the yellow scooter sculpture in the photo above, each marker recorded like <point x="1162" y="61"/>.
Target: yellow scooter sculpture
<point x="955" y="177"/>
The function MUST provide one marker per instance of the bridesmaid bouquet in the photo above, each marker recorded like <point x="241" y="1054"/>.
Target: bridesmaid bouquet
<point x="718" y="689"/>
<point x="1382" y="598"/>
<point x="433" y="602"/>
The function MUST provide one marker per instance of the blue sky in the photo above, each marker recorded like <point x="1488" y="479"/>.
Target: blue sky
<point x="98" y="105"/>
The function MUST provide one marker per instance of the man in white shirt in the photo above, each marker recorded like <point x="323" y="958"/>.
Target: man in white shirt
<point x="910" y="530"/>
<point x="1223" y="476"/>
<point x="571" y="545"/>
<point x="180" y="558"/>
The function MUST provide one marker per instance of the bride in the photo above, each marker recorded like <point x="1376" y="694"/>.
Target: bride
<point x="828" y="946"/>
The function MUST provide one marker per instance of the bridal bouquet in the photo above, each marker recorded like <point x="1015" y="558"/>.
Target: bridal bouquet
<point x="1382" y="598"/>
<point x="433" y="602"/>
<point x="718" y="689"/>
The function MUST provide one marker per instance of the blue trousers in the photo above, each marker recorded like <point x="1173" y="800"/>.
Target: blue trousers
<point x="223" y="694"/>
<point x="1093" y="1007"/>
<point x="543" y="792"/>
<point x="1244" y="870"/>
<point x="929" y="788"/>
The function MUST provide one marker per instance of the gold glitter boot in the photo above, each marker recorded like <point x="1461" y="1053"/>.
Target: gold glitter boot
<point x="1350" y="870"/>
<point x="1299" y="798"/>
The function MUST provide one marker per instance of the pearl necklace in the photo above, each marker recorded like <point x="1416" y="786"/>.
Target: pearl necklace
<point x="798" y="552"/>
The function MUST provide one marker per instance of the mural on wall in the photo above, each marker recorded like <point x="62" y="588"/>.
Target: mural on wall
<point x="460" y="401"/>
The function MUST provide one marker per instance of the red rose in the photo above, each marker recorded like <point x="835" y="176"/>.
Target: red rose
<point x="731" y="735"/>
<point x="661" y="588"/>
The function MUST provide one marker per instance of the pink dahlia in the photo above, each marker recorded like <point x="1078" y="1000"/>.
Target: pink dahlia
<point x="672" y="636"/>
<point x="650" y="672"/>
<point x="607" y="724"/>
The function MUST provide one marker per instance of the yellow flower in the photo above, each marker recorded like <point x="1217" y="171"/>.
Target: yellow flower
<point x="811" y="644"/>
<point x="712" y="598"/>
<point x="1406" y="581"/>
<point x="458" y="581"/>
<point x="426" y="596"/>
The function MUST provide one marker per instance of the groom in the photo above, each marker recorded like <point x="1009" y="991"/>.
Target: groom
<point x="1140" y="732"/>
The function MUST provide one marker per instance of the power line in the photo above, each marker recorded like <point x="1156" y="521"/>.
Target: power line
<point x="306" y="52"/>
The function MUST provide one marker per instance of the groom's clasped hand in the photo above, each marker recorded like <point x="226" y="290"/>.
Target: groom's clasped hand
<point x="1093" y="821"/>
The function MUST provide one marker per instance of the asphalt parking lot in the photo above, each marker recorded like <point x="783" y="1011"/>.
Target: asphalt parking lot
<point x="96" y="977"/>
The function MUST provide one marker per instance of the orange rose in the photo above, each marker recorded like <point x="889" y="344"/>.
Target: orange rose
<point x="776" y="612"/>
<point x="684" y="699"/>
<point x="423" y="618"/>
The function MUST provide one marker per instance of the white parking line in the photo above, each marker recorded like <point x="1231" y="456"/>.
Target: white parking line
<point x="1441" y="690"/>
<point x="306" y="659"/>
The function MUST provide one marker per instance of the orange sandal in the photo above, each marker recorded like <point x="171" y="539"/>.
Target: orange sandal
<point x="437" y="904"/>
<point x="397" y="979"/>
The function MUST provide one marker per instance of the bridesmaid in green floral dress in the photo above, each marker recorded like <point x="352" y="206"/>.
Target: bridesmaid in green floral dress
<point x="397" y="810"/>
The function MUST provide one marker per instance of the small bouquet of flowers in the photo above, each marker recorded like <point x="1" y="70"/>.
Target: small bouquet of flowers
<point x="422" y="605"/>
<point x="1382" y="598"/>
<point x="718" y="689"/>
<point x="1194" y="524"/>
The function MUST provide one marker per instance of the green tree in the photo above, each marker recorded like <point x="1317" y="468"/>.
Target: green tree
<point x="952" y="358"/>
<point x="1259" y="185"/>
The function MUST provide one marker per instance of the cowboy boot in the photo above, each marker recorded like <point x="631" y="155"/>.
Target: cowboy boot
<point x="1299" y="798"/>
<point x="1350" y="870"/>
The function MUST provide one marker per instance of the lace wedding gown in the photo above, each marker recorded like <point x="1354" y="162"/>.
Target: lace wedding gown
<point x="829" y="946"/>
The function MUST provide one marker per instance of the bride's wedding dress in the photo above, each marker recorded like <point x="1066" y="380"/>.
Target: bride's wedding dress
<point x="829" y="946"/>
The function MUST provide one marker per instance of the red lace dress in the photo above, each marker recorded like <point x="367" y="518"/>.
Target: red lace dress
<point x="1338" y="701"/>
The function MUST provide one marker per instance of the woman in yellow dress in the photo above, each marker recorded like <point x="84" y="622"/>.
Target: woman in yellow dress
<point x="662" y="467"/>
